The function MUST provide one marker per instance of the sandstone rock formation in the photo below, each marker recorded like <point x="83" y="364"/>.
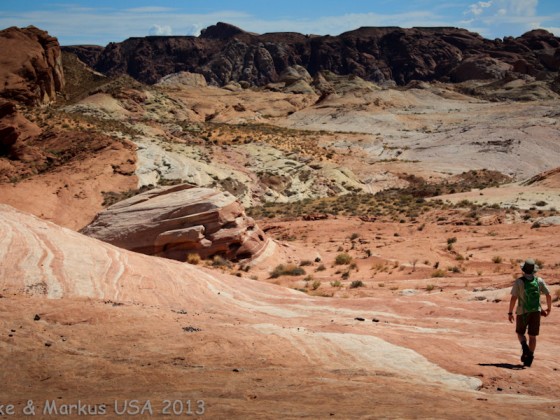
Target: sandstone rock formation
<point x="175" y="221"/>
<point x="31" y="70"/>
<point x="15" y="129"/>
<point x="224" y="53"/>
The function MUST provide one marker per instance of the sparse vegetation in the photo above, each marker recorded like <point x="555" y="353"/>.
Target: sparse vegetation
<point x="343" y="259"/>
<point x="219" y="261"/>
<point x="438" y="273"/>
<point x="356" y="283"/>
<point x="193" y="258"/>
<point x="287" y="270"/>
<point x="497" y="259"/>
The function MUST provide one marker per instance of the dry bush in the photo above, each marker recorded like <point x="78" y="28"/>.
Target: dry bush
<point x="193" y="258"/>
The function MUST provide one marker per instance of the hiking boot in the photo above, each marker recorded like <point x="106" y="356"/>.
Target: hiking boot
<point x="528" y="359"/>
<point x="526" y="352"/>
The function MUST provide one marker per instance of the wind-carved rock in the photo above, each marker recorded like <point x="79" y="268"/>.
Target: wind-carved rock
<point x="31" y="70"/>
<point x="173" y="222"/>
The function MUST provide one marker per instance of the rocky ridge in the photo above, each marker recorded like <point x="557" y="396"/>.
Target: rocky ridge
<point x="224" y="53"/>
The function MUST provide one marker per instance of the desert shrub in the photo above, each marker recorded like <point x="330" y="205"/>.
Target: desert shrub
<point x="286" y="270"/>
<point x="321" y="267"/>
<point x="342" y="259"/>
<point x="539" y="262"/>
<point x="438" y="273"/>
<point x="219" y="261"/>
<point x="316" y="284"/>
<point x="497" y="259"/>
<point x="305" y="263"/>
<point x="336" y="283"/>
<point x="356" y="283"/>
<point x="354" y="236"/>
<point x="430" y="287"/>
<point x="193" y="259"/>
<point x="541" y="203"/>
<point x="345" y="275"/>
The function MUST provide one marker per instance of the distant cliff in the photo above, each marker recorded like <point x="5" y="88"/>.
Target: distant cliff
<point x="224" y="53"/>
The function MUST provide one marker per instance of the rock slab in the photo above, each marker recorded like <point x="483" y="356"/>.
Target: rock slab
<point x="173" y="222"/>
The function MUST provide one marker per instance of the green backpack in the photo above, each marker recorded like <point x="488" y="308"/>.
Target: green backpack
<point x="532" y="295"/>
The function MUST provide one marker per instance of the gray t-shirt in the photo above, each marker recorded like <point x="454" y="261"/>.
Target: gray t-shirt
<point x="518" y="290"/>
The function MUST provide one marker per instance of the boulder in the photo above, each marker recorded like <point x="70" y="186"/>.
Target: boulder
<point x="183" y="78"/>
<point x="480" y="68"/>
<point x="173" y="222"/>
<point x="31" y="71"/>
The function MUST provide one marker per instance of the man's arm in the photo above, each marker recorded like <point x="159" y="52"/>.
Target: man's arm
<point x="548" y="304"/>
<point x="511" y="306"/>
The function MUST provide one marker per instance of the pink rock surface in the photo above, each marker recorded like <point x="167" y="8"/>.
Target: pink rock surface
<point x="121" y="325"/>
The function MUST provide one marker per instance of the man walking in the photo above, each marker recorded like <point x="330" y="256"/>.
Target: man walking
<point x="527" y="291"/>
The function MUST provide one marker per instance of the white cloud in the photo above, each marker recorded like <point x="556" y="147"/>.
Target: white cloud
<point x="160" y="30"/>
<point x="149" y="9"/>
<point x="522" y="7"/>
<point x="478" y="8"/>
<point x="505" y="17"/>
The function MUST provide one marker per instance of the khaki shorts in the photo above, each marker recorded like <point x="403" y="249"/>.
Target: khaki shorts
<point x="530" y="321"/>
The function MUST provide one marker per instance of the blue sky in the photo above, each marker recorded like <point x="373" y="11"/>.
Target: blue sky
<point x="102" y="21"/>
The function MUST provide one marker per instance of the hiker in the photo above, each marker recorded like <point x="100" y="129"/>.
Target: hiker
<point x="528" y="289"/>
